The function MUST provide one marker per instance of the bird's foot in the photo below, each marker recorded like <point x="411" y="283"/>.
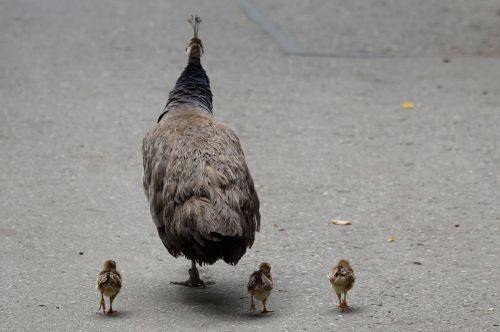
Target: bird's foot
<point x="193" y="283"/>
<point x="189" y="283"/>
<point x="252" y="308"/>
<point x="110" y="311"/>
<point x="102" y="305"/>
<point x="194" y="279"/>
<point x="265" y="311"/>
<point x="344" y="306"/>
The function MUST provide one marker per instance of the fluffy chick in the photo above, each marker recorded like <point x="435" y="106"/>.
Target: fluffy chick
<point x="109" y="283"/>
<point x="342" y="280"/>
<point x="260" y="285"/>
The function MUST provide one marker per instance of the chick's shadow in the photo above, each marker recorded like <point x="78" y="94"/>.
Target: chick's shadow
<point x="121" y="314"/>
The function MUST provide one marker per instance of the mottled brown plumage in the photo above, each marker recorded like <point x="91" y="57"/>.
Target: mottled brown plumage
<point x="260" y="285"/>
<point x="342" y="280"/>
<point x="201" y="195"/>
<point x="109" y="283"/>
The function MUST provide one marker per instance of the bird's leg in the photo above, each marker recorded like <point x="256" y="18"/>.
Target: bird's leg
<point x="252" y="304"/>
<point x="102" y="304"/>
<point x="265" y="311"/>
<point x="110" y="310"/>
<point x="194" y="278"/>
<point x="344" y="303"/>
<point x="340" y="301"/>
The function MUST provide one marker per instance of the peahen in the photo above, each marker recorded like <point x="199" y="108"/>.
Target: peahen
<point x="201" y="194"/>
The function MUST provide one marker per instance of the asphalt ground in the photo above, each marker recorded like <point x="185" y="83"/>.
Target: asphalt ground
<point x="314" y="90"/>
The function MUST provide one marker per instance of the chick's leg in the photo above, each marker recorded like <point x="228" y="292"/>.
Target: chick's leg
<point x="194" y="278"/>
<point x="340" y="301"/>
<point x="252" y="303"/>
<point x="265" y="311"/>
<point x="344" y="303"/>
<point x="102" y="304"/>
<point x="110" y="310"/>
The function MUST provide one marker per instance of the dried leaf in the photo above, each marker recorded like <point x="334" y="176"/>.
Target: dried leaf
<point x="341" y="222"/>
<point x="407" y="105"/>
<point x="391" y="239"/>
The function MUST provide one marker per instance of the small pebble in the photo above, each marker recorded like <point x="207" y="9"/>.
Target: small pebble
<point x="80" y="252"/>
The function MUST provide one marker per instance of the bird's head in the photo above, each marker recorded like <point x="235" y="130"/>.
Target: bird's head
<point x="342" y="266"/>
<point x="265" y="267"/>
<point x="194" y="50"/>
<point x="109" y="265"/>
<point x="343" y="263"/>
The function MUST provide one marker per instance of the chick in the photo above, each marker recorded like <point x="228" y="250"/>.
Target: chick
<point x="260" y="285"/>
<point x="109" y="283"/>
<point x="342" y="280"/>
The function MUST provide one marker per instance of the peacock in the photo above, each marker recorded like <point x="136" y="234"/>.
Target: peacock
<point x="201" y="195"/>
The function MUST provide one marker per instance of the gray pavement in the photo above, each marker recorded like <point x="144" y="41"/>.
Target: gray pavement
<point x="314" y="89"/>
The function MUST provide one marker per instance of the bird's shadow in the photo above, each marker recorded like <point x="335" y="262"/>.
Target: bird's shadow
<point x="213" y="300"/>
<point x="350" y="311"/>
<point x="117" y="314"/>
<point x="223" y="300"/>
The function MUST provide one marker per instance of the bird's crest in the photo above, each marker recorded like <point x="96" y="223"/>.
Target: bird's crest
<point x="195" y="21"/>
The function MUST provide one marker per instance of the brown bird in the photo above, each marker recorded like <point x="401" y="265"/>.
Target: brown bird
<point x="260" y="285"/>
<point x="201" y="195"/>
<point x="342" y="280"/>
<point x="109" y="283"/>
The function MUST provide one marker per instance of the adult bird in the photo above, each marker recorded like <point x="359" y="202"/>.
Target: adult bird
<point x="201" y="195"/>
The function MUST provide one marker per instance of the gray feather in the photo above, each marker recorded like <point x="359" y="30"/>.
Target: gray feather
<point x="201" y="195"/>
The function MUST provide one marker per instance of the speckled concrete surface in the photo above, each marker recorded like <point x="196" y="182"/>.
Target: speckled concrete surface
<point x="325" y="137"/>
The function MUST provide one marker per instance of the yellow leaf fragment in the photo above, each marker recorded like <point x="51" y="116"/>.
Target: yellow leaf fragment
<point x="391" y="239"/>
<point x="341" y="222"/>
<point x="407" y="105"/>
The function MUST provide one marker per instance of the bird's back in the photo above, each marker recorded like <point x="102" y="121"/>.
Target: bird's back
<point x="260" y="281"/>
<point x="201" y="194"/>
<point x="342" y="279"/>
<point x="109" y="282"/>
